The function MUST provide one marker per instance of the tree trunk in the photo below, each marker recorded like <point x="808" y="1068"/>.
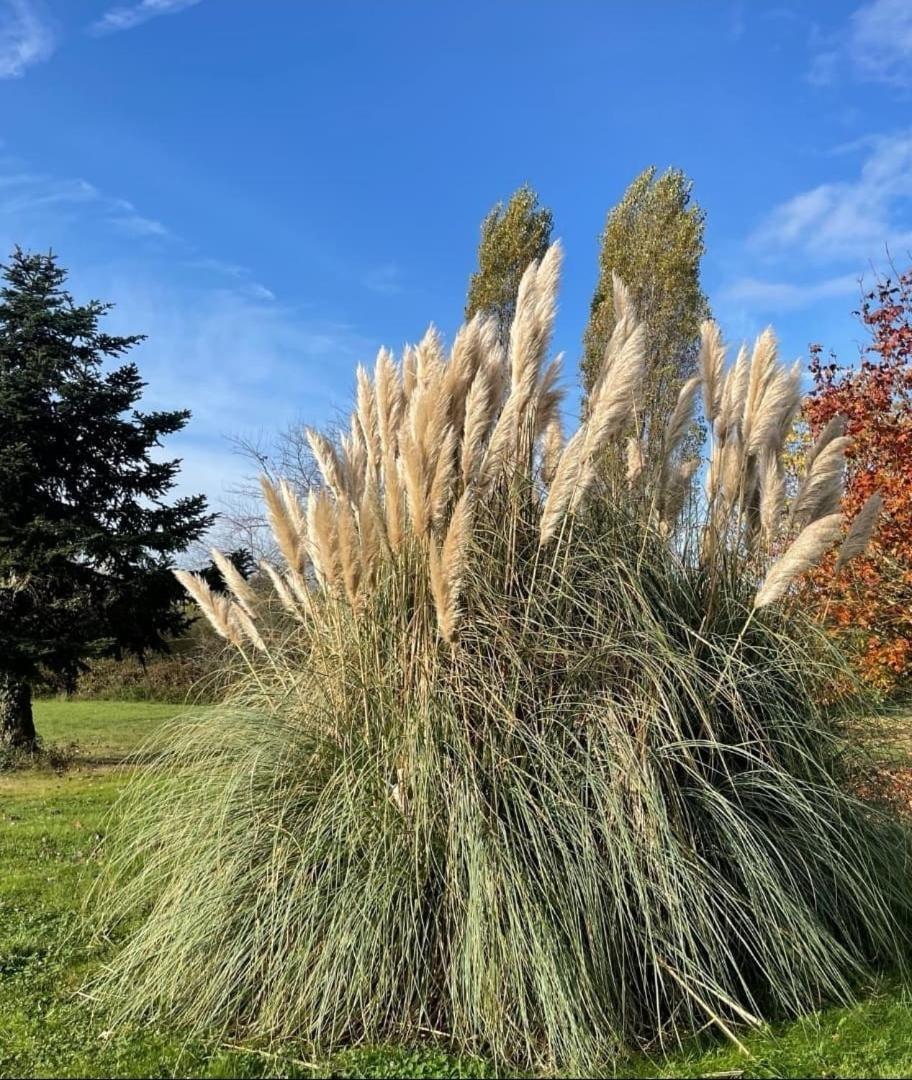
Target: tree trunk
<point x="17" y="728"/>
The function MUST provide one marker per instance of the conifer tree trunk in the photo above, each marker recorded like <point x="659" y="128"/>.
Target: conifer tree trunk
<point x="17" y="728"/>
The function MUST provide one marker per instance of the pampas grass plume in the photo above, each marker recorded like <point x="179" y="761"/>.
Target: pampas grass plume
<point x="860" y="531"/>
<point x="804" y="554"/>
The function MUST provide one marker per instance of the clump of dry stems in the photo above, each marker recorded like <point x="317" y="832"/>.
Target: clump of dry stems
<point x="527" y="744"/>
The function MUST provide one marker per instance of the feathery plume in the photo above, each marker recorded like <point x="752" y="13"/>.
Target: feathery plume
<point x="549" y="395"/>
<point x="563" y="486"/>
<point x="552" y="445"/>
<point x="612" y="407"/>
<point x="284" y="593"/>
<point x="621" y="300"/>
<point x="322" y="540"/>
<point x="772" y="494"/>
<point x="774" y="410"/>
<point x="331" y="468"/>
<point x="498" y="372"/>
<point x="731" y="474"/>
<point x="392" y="501"/>
<point x="388" y="400"/>
<point x="466" y="357"/>
<point x="414" y="479"/>
<point x="239" y="618"/>
<point x="712" y="364"/>
<point x="354" y="460"/>
<point x="283" y="523"/>
<point x="479" y="413"/>
<point x="820" y="492"/>
<point x="237" y="584"/>
<point x="367" y="417"/>
<point x="804" y="553"/>
<point x="530" y="333"/>
<point x="442" y="482"/>
<point x="835" y="428"/>
<point x="500" y="452"/>
<point x="624" y="325"/>
<point x="860" y="531"/>
<point x="348" y="550"/>
<point x="429" y="362"/>
<point x="229" y="620"/>
<point x="681" y="419"/>
<point x="635" y="460"/>
<point x="370" y="529"/>
<point x="216" y="608"/>
<point x="448" y="566"/>
<point x="409" y="372"/>
<point x="762" y="370"/>
<point x="734" y="392"/>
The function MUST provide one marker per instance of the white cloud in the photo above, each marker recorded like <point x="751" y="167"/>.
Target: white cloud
<point x="26" y="37"/>
<point x="385" y="279"/>
<point x="137" y="225"/>
<point x="260" y="292"/>
<point x="787" y="296"/>
<point x="218" y="266"/>
<point x="850" y="219"/>
<point x="219" y="342"/>
<point x="34" y="198"/>
<point x="875" y="45"/>
<point x="128" y="16"/>
<point x="880" y="41"/>
<point x="245" y="367"/>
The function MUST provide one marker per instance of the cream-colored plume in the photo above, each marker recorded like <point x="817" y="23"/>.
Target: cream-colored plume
<point x="860" y="531"/>
<point x="804" y="554"/>
<point x="228" y="619"/>
<point x="712" y="365"/>
<point x="433" y="436"/>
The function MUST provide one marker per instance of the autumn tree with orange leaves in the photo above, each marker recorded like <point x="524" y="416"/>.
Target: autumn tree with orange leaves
<point x="868" y="604"/>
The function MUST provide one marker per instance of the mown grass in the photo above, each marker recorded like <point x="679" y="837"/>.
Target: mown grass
<point x="105" y="732"/>
<point x="50" y="827"/>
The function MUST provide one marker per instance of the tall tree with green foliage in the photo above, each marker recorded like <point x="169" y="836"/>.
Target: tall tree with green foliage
<point x="511" y="237"/>
<point x="87" y="534"/>
<point x="653" y="241"/>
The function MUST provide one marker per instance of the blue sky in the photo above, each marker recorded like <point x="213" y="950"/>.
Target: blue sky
<point x="271" y="189"/>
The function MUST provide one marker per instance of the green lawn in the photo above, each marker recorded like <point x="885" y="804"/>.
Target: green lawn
<point x="104" y="731"/>
<point x="50" y="827"/>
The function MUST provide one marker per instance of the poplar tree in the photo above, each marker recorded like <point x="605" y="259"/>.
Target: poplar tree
<point x="512" y="235"/>
<point x="653" y="241"/>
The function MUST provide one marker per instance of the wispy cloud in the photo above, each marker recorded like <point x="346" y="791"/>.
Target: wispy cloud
<point x="220" y="343"/>
<point x="820" y="240"/>
<point x="881" y="41"/>
<point x="787" y="296"/>
<point x="385" y="279"/>
<point x="27" y="37"/>
<point x="849" y="219"/>
<point x="126" y="219"/>
<point x="127" y="16"/>
<point x="245" y="366"/>
<point x="875" y="45"/>
<point x="28" y="197"/>
<point x="241" y="274"/>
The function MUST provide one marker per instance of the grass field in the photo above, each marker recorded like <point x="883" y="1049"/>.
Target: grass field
<point x="50" y="829"/>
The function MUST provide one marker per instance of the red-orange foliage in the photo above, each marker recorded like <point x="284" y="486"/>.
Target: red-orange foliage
<point x="869" y="605"/>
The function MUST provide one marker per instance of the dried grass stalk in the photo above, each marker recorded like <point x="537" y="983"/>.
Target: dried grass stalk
<point x="237" y="584"/>
<point x="803" y="555"/>
<point x="860" y="531"/>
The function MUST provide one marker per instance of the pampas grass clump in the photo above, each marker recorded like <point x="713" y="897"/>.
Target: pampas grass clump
<point x="522" y="748"/>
